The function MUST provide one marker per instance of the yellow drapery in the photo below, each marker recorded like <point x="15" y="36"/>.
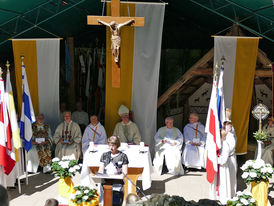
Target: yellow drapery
<point x="245" y="65"/>
<point x="28" y="49"/>
<point x="65" y="187"/>
<point x="117" y="96"/>
<point x="260" y="192"/>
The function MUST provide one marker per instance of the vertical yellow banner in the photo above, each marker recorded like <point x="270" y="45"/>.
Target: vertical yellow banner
<point x="245" y="65"/>
<point x="28" y="49"/>
<point x="117" y="96"/>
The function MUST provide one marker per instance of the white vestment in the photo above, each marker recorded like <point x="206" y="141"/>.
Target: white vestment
<point x="73" y="134"/>
<point x="267" y="154"/>
<point x="80" y="117"/>
<point x="97" y="133"/>
<point x="232" y="162"/>
<point x="193" y="156"/>
<point x="224" y="173"/>
<point x="171" y="153"/>
<point x="127" y="132"/>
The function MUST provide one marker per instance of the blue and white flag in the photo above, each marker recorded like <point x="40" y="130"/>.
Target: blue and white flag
<point x="220" y="98"/>
<point x="27" y="115"/>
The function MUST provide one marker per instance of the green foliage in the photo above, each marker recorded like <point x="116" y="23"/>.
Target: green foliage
<point x="241" y="199"/>
<point x="83" y="194"/>
<point x="260" y="136"/>
<point x="166" y="200"/>
<point x="65" y="167"/>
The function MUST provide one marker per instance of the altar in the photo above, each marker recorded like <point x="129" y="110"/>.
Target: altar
<point x="136" y="159"/>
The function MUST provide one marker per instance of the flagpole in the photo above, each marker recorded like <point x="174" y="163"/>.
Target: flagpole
<point x="17" y="166"/>
<point x="2" y="176"/>
<point x="26" y="154"/>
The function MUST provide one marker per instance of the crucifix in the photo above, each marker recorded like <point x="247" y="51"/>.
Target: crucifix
<point x="260" y="112"/>
<point x="115" y="22"/>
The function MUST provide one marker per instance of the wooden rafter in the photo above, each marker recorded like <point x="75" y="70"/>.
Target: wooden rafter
<point x="188" y="75"/>
<point x="201" y="68"/>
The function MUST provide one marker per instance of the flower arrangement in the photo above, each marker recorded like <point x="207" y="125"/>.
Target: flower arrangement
<point x="241" y="199"/>
<point x="260" y="136"/>
<point x="67" y="167"/>
<point x="256" y="171"/>
<point x="84" y="194"/>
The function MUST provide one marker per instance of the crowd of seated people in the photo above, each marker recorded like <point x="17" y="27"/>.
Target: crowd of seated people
<point x="174" y="151"/>
<point x="73" y="135"/>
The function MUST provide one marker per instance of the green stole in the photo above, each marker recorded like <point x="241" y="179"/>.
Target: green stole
<point x="163" y="133"/>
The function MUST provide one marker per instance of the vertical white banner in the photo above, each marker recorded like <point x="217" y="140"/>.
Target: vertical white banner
<point x="48" y="55"/>
<point x="146" y="67"/>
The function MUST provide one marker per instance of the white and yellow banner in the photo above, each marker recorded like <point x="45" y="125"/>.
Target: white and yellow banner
<point x="140" y="65"/>
<point x="41" y="59"/>
<point x="240" y="55"/>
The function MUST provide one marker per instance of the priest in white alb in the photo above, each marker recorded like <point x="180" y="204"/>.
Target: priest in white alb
<point x="168" y="144"/>
<point x="195" y="139"/>
<point x="94" y="132"/>
<point x="67" y="138"/>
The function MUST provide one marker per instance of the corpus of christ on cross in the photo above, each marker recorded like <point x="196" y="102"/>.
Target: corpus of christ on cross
<point x="115" y="22"/>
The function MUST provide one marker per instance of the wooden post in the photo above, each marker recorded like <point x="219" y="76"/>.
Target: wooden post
<point x="107" y="195"/>
<point x="72" y="91"/>
<point x="115" y="16"/>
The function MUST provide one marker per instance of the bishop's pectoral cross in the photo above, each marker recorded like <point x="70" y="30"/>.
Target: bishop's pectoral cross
<point x="115" y="23"/>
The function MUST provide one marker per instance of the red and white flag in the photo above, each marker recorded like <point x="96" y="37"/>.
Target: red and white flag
<point x="213" y="142"/>
<point x="7" y="155"/>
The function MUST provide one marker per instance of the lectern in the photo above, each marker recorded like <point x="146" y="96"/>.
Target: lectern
<point x="133" y="174"/>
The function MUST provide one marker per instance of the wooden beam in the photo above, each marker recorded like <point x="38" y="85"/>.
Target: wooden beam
<point x="93" y="20"/>
<point x="183" y="79"/>
<point x="203" y="72"/>
<point x="263" y="73"/>
<point x="115" y="7"/>
<point x="263" y="59"/>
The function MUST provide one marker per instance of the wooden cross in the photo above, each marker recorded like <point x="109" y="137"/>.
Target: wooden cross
<point x="260" y="112"/>
<point x="115" y="17"/>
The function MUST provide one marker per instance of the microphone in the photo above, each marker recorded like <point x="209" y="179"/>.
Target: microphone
<point x="138" y="189"/>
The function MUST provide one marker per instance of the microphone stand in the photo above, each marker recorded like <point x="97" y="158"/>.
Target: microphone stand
<point x="137" y="188"/>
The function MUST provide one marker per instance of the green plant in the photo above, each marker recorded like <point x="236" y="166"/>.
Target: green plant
<point x="256" y="171"/>
<point x="260" y="136"/>
<point x="83" y="194"/>
<point x="65" y="167"/>
<point x="163" y="200"/>
<point x="242" y="199"/>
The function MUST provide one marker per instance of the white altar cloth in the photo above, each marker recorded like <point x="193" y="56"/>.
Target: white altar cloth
<point x="135" y="158"/>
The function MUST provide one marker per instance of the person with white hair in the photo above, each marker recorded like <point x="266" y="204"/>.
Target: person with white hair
<point x="67" y="138"/>
<point x="94" y="132"/>
<point x="40" y="153"/>
<point x="168" y="144"/>
<point x="195" y="139"/>
<point x="126" y="130"/>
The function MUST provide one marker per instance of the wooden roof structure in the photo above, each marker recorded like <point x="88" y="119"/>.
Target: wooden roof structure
<point x="202" y="71"/>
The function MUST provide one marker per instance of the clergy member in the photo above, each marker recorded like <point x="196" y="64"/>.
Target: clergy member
<point x="267" y="153"/>
<point x="94" y="132"/>
<point x="194" y="134"/>
<point x="40" y="153"/>
<point x="68" y="138"/>
<point x="127" y="130"/>
<point x="80" y="117"/>
<point x="168" y="144"/>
